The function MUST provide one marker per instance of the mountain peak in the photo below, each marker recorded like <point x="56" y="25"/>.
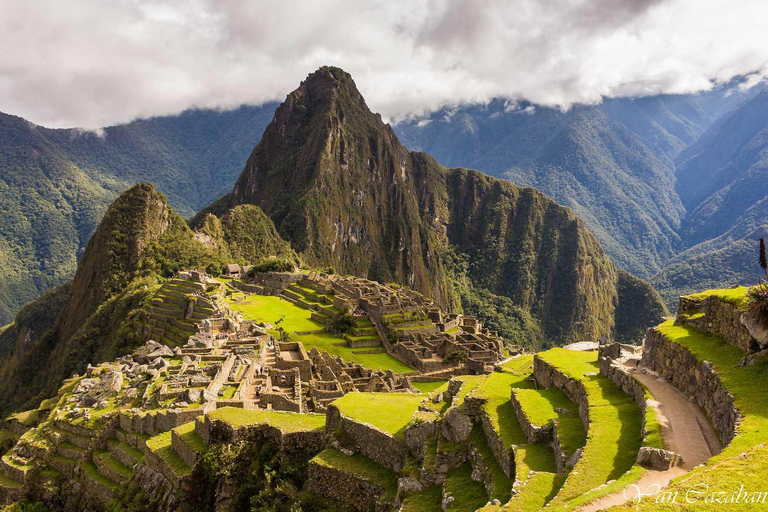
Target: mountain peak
<point x="342" y="189"/>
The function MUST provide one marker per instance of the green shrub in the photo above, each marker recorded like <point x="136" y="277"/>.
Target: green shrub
<point x="272" y="265"/>
<point x="342" y="323"/>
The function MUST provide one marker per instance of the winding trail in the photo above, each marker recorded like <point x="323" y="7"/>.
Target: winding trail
<point x="684" y="427"/>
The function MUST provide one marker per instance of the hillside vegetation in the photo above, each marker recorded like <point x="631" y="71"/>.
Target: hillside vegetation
<point x="55" y="185"/>
<point x="345" y="193"/>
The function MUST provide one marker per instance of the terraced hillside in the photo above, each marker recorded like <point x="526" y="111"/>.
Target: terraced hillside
<point x="561" y="430"/>
<point x="302" y="320"/>
<point x="175" y="309"/>
<point x="731" y="392"/>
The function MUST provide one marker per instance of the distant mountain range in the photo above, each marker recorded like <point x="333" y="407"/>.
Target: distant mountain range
<point x="644" y="174"/>
<point x="669" y="185"/>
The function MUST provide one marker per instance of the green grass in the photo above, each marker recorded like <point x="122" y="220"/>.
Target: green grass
<point x="130" y="450"/>
<point x="745" y="460"/>
<point x="496" y="390"/>
<point x="539" y="406"/>
<point x="229" y="392"/>
<point x="362" y="467"/>
<point x="286" y="421"/>
<point x="27" y="418"/>
<point x="502" y="486"/>
<point x="106" y="458"/>
<point x="428" y="387"/>
<point x="538" y="490"/>
<point x="8" y="435"/>
<point x="161" y="446"/>
<point x="190" y="437"/>
<point x="468" y="495"/>
<point x="427" y="500"/>
<point x="263" y="308"/>
<point x="390" y="412"/>
<point x="90" y="470"/>
<point x="736" y="296"/>
<point x="614" y="436"/>
<point x="653" y="437"/>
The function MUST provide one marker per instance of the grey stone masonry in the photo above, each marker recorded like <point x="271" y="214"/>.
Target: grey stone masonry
<point x="695" y="378"/>
<point x="375" y="444"/>
<point x="718" y="318"/>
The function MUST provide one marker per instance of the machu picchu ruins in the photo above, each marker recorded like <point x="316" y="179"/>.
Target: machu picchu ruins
<point x="344" y="324"/>
<point x="460" y="418"/>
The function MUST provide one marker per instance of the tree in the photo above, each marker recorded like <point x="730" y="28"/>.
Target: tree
<point x="342" y="323"/>
<point x="763" y="261"/>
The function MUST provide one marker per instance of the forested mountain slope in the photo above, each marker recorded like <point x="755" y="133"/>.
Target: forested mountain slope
<point x="345" y="192"/>
<point x="55" y="185"/>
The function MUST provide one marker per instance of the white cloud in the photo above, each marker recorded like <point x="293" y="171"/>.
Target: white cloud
<point x="91" y="63"/>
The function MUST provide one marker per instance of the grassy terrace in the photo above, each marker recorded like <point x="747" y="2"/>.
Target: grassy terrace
<point x="285" y="421"/>
<point x="502" y="486"/>
<point x="540" y="407"/>
<point x="736" y="296"/>
<point x="89" y="468"/>
<point x="390" y="412"/>
<point x="496" y="390"/>
<point x="362" y="467"/>
<point x="262" y="308"/>
<point x="161" y="446"/>
<point x="428" y="387"/>
<point x="190" y="437"/>
<point x="468" y="495"/>
<point x="745" y="460"/>
<point x="614" y="435"/>
<point x="427" y="500"/>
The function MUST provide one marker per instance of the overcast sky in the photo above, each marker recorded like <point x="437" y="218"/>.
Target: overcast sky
<point x="92" y="63"/>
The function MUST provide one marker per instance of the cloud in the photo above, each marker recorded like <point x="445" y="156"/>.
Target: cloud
<point x="92" y="63"/>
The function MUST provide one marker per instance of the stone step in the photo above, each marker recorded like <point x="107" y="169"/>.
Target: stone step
<point x="71" y="437"/>
<point x="187" y="443"/>
<point x="69" y="450"/>
<point x="8" y="483"/>
<point x="62" y="464"/>
<point x="124" y="452"/>
<point x="98" y="485"/>
<point x="111" y="468"/>
<point x="13" y="469"/>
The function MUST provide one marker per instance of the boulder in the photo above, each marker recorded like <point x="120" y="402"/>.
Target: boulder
<point x="456" y="426"/>
<point x="658" y="459"/>
<point x="757" y="327"/>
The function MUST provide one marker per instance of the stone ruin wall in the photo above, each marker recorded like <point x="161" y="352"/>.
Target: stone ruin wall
<point x="548" y="376"/>
<point x="370" y="441"/>
<point x="694" y="378"/>
<point x="344" y="487"/>
<point x="720" y="319"/>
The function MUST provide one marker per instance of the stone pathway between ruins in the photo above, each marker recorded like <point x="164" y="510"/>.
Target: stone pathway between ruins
<point x="685" y="429"/>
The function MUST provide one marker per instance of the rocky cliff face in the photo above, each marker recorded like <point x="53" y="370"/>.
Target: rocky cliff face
<point x="342" y="189"/>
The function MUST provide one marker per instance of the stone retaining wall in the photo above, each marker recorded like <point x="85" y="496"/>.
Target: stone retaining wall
<point x="694" y="378"/>
<point x="341" y="486"/>
<point x="157" y="464"/>
<point x="187" y="454"/>
<point x="720" y="318"/>
<point x="160" y="422"/>
<point x="291" y="444"/>
<point x="369" y="440"/>
<point x="533" y="433"/>
<point x="548" y="376"/>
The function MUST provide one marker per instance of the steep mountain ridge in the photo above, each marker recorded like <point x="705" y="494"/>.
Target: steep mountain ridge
<point x="342" y="189"/>
<point x="55" y="185"/>
<point x="140" y="240"/>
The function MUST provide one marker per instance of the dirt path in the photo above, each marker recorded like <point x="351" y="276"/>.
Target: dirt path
<point x="685" y="429"/>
